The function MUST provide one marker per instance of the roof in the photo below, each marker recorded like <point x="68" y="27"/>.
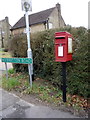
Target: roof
<point x="35" y="18"/>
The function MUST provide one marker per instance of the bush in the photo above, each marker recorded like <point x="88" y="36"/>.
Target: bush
<point x="42" y="44"/>
<point x="18" y="48"/>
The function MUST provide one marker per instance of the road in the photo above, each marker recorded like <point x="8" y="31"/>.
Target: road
<point x="11" y="106"/>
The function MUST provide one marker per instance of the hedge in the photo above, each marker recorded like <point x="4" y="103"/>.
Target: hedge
<point x="42" y="44"/>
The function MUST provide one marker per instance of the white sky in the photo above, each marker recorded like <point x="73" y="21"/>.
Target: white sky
<point x="74" y="12"/>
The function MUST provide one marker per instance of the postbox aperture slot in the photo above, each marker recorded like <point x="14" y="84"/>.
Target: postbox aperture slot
<point x="60" y="37"/>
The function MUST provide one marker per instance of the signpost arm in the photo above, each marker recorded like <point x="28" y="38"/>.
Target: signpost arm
<point x="64" y="80"/>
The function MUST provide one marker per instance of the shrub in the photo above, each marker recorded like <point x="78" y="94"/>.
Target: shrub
<point x="42" y="44"/>
<point x="18" y="48"/>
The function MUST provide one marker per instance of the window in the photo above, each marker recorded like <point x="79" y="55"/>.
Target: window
<point x="50" y="25"/>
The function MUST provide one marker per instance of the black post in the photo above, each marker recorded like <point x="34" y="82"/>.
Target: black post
<point x="64" y="80"/>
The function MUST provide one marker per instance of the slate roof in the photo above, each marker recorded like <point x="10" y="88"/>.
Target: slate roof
<point x="35" y="18"/>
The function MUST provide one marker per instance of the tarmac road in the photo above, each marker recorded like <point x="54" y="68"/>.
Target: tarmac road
<point x="11" y="106"/>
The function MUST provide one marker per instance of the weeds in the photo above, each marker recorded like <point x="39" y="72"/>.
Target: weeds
<point x="11" y="71"/>
<point x="10" y="84"/>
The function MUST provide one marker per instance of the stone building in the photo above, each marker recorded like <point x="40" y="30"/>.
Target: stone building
<point x="47" y="19"/>
<point x="4" y="33"/>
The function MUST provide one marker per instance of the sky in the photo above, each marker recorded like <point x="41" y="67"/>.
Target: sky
<point x="74" y="12"/>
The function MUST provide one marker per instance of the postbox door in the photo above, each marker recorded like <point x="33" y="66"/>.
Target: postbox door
<point x="60" y="52"/>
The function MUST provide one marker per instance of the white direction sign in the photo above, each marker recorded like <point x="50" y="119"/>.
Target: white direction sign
<point x="26" y="4"/>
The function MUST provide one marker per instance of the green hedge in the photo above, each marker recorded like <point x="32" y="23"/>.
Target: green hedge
<point x="42" y="44"/>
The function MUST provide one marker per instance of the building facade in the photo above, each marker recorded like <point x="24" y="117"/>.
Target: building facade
<point x="4" y="33"/>
<point x="47" y="19"/>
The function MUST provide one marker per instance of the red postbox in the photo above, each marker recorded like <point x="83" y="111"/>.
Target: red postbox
<point x="63" y="46"/>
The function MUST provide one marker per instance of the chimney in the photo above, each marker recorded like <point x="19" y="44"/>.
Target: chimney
<point x="6" y="18"/>
<point x="58" y="6"/>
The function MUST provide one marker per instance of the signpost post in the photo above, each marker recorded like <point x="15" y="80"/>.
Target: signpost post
<point x="6" y="70"/>
<point x="27" y="6"/>
<point x="64" y="80"/>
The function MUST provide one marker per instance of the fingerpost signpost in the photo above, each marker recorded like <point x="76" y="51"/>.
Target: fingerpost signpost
<point x="27" y="6"/>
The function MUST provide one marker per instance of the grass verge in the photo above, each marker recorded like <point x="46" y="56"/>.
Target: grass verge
<point x="46" y="92"/>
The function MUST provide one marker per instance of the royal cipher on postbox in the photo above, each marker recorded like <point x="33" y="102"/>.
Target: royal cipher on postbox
<point x="63" y="46"/>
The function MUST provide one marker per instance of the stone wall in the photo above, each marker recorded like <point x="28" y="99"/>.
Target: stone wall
<point x="37" y="28"/>
<point x="55" y="18"/>
<point x="4" y="32"/>
<point x="33" y="29"/>
<point x="18" y="31"/>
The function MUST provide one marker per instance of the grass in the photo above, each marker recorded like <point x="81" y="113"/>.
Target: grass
<point x="11" y="71"/>
<point x="10" y="84"/>
<point x="41" y="89"/>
